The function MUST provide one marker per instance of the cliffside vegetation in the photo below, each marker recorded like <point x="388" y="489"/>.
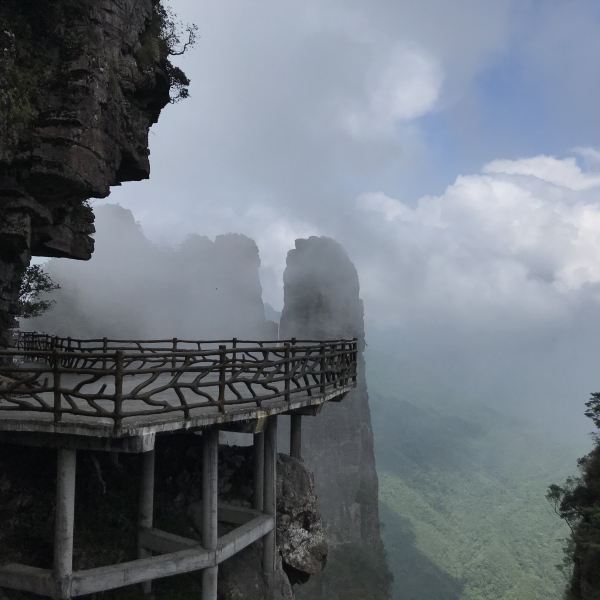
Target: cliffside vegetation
<point x="167" y="37"/>
<point x="33" y="294"/>
<point x="577" y="502"/>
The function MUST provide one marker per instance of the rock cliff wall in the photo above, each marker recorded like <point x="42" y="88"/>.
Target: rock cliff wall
<point x="321" y="300"/>
<point x="81" y="82"/>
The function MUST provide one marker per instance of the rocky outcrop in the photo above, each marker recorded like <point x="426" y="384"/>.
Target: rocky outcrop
<point x="321" y="296"/>
<point x="81" y="82"/>
<point x="300" y="535"/>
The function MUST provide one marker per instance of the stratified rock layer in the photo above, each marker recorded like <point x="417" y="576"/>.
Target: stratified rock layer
<point x="322" y="302"/>
<point x="81" y="82"/>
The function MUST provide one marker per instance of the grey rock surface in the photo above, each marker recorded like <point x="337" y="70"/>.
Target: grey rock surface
<point x="321" y="301"/>
<point x="300" y="534"/>
<point x="81" y="82"/>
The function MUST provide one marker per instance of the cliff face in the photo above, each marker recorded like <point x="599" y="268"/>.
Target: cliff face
<point x="81" y="82"/>
<point x="321" y="293"/>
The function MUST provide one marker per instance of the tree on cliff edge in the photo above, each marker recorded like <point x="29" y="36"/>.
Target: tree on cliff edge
<point x="35" y="287"/>
<point x="578" y="503"/>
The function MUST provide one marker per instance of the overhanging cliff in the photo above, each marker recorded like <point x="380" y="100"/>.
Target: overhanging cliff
<point x="81" y="82"/>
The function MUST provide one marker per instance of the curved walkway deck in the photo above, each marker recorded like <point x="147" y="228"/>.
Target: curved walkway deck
<point x="117" y="394"/>
<point x="124" y="388"/>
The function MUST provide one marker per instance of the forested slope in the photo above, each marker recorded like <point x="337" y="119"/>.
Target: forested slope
<point x="463" y="503"/>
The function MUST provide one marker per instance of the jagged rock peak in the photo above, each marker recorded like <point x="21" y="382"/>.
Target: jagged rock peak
<point x="321" y="291"/>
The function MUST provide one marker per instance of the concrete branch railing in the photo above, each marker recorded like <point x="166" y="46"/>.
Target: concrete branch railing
<point x="125" y="379"/>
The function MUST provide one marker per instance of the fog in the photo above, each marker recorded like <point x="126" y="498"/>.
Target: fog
<point x="447" y="147"/>
<point x="134" y="289"/>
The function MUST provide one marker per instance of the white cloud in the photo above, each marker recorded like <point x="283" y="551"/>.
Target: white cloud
<point x="564" y="172"/>
<point x="275" y="236"/>
<point x="505" y="244"/>
<point x="405" y="88"/>
<point x="590" y="155"/>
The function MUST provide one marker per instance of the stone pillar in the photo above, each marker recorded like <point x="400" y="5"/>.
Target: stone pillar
<point x="210" y="458"/>
<point x="146" y="506"/>
<point x="259" y="471"/>
<point x="64" y="521"/>
<point x="270" y="494"/>
<point x="296" y="436"/>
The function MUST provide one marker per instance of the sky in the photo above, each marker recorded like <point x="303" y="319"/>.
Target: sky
<point x="451" y="147"/>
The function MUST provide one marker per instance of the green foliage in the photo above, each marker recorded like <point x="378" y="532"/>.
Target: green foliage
<point x="35" y="285"/>
<point x="593" y="409"/>
<point x="577" y="502"/>
<point x="166" y="37"/>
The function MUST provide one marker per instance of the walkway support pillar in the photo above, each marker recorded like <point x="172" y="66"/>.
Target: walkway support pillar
<point x="64" y="522"/>
<point x="146" y="506"/>
<point x="259" y="471"/>
<point x="296" y="436"/>
<point x="270" y="494"/>
<point x="210" y="458"/>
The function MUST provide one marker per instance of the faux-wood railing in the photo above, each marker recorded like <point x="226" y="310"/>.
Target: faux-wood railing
<point x="124" y="379"/>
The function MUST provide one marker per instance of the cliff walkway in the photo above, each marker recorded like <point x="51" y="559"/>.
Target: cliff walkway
<point x="119" y="395"/>
<point x="123" y="388"/>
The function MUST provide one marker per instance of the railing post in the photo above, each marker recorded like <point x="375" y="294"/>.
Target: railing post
<point x="286" y="383"/>
<point x="335" y="366"/>
<point x="68" y="360"/>
<point x="118" y="388"/>
<point x="174" y="358"/>
<point x="323" y="369"/>
<point x="56" y="385"/>
<point x="354" y="359"/>
<point x="104" y="351"/>
<point x="222" y="376"/>
<point x="347" y="361"/>
<point x="234" y="355"/>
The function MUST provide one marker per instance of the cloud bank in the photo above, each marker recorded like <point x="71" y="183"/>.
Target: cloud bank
<point x="518" y="242"/>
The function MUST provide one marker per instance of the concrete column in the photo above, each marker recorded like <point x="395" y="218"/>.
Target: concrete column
<point x="64" y="522"/>
<point x="259" y="470"/>
<point x="210" y="478"/>
<point x="270" y="497"/>
<point x="146" y="506"/>
<point x="296" y="436"/>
